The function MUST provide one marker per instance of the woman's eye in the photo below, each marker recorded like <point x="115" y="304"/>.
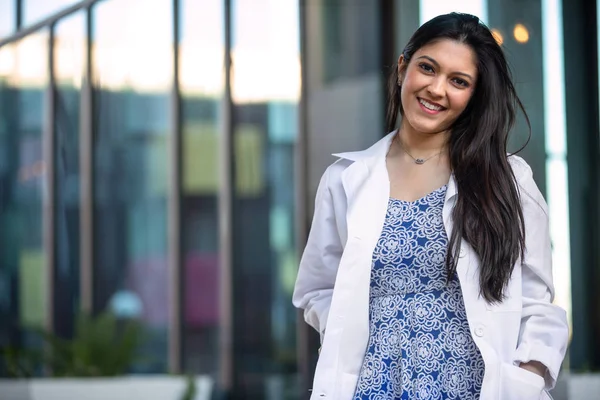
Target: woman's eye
<point x="461" y="82"/>
<point x="426" y="67"/>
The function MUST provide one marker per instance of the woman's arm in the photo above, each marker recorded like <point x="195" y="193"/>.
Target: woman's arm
<point x="544" y="333"/>
<point x="536" y="367"/>
<point x="320" y="261"/>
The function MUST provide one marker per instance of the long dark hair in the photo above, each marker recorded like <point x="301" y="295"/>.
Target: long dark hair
<point x="487" y="213"/>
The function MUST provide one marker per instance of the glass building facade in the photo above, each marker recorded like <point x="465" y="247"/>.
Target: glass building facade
<point x="159" y="159"/>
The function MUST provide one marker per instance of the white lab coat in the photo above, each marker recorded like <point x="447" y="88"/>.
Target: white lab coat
<point x="334" y="280"/>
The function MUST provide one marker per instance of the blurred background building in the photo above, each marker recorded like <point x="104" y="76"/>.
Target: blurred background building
<point x="159" y="159"/>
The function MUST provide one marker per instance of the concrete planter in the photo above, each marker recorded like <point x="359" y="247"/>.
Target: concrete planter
<point x="584" y="386"/>
<point x="576" y="386"/>
<point x="159" y="387"/>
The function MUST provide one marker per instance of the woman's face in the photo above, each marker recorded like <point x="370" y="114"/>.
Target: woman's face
<point x="437" y="84"/>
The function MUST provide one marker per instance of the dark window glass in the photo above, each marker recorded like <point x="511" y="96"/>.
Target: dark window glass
<point x="345" y="80"/>
<point x="69" y="67"/>
<point x="23" y="288"/>
<point x="202" y="81"/>
<point x="266" y="84"/>
<point x="347" y="41"/>
<point x="132" y="76"/>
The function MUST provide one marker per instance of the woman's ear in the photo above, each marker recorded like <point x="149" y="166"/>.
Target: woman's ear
<point x="401" y="69"/>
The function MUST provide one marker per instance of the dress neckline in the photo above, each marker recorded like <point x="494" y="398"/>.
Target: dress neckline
<point x="441" y="188"/>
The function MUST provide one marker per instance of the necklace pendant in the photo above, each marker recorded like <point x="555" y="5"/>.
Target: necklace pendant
<point x="419" y="161"/>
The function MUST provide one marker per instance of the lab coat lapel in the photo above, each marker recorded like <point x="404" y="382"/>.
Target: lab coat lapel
<point x="367" y="188"/>
<point x="367" y="210"/>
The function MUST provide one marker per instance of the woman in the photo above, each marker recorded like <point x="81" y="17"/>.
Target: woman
<point x="427" y="270"/>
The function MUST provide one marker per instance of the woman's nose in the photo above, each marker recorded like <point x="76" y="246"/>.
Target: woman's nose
<point x="436" y="88"/>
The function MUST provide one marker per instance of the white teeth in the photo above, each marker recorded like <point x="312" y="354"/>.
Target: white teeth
<point x="429" y="105"/>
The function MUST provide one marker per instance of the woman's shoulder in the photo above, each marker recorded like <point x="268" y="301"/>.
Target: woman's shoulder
<point x="339" y="165"/>
<point x="526" y="182"/>
<point x="520" y="167"/>
<point x="333" y="173"/>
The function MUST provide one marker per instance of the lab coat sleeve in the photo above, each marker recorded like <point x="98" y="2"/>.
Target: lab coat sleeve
<point x="544" y="330"/>
<point x="319" y="263"/>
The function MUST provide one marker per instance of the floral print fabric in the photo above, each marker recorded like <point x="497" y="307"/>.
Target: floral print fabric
<point x="420" y="346"/>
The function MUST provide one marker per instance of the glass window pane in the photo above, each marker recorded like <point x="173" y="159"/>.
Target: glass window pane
<point x="23" y="85"/>
<point x="8" y="17"/>
<point x="345" y="80"/>
<point x="132" y="75"/>
<point x="266" y="86"/>
<point x="36" y="10"/>
<point x="69" y="58"/>
<point x="202" y="81"/>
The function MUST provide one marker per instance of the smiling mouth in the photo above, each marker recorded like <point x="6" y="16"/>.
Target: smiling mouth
<point x="430" y="106"/>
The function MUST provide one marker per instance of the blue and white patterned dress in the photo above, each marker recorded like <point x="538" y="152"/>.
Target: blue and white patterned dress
<point x="420" y="346"/>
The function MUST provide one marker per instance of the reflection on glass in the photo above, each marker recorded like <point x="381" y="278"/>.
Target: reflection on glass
<point x="8" y="17"/>
<point x="69" y="58"/>
<point x="201" y="77"/>
<point x="36" y="10"/>
<point x="266" y="81"/>
<point x="433" y="8"/>
<point x="556" y="152"/>
<point x="23" y="83"/>
<point x="132" y="72"/>
<point x="265" y="51"/>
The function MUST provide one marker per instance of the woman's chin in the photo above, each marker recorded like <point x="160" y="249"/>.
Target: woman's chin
<point x="427" y="128"/>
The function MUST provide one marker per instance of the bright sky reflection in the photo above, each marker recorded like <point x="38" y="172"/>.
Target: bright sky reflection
<point x="265" y="53"/>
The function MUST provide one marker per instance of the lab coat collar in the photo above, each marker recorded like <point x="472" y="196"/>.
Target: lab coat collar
<point x="378" y="151"/>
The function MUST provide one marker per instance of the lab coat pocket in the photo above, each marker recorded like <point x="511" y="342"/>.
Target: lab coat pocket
<point x="519" y="384"/>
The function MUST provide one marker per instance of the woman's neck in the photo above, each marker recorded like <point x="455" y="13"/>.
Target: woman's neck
<point x="419" y="143"/>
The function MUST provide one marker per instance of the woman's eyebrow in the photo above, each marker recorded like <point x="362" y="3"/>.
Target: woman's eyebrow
<point x="438" y="65"/>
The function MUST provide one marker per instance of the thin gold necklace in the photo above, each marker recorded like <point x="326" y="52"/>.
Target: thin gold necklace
<point x="418" y="161"/>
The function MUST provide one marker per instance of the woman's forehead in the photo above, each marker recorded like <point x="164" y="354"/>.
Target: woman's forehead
<point x="449" y="53"/>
